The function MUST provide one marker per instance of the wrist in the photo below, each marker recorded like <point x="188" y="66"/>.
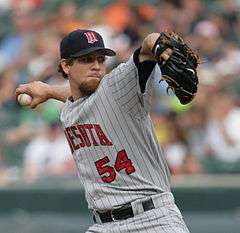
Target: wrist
<point x="50" y="92"/>
<point x="58" y="92"/>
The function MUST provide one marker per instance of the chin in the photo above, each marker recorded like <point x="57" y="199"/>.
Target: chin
<point x="89" y="87"/>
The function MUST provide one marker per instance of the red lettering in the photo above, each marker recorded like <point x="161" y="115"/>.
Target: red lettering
<point x="84" y="135"/>
<point x="78" y="135"/>
<point x="70" y="139"/>
<point x="89" y="127"/>
<point x="69" y="143"/>
<point x="102" y="137"/>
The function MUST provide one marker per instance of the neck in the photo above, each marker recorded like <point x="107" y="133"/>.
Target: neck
<point x="76" y="94"/>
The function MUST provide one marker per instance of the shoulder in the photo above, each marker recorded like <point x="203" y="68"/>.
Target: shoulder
<point x="123" y="70"/>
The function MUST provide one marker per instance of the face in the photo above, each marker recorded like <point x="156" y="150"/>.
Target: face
<point x="85" y="73"/>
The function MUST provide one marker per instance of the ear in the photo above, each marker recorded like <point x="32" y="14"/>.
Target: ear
<point x="65" y="66"/>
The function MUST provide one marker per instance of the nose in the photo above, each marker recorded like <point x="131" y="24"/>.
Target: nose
<point x="96" y="65"/>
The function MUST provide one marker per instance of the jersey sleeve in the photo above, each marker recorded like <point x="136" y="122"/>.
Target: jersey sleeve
<point x="131" y="84"/>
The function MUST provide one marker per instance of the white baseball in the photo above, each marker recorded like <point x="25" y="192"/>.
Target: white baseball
<point x="24" y="99"/>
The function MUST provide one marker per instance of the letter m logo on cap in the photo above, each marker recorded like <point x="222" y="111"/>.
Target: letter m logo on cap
<point x="91" y="37"/>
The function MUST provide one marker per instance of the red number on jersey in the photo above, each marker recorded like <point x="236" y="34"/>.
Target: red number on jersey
<point x="105" y="169"/>
<point x="122" y="162"/>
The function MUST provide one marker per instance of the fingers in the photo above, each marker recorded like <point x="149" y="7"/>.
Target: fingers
<point x="37" y="90"/>
<point x="26" y="89"/>
<point x="35" y="102"/>
<point x="165" y="56"/>
<point x="21" y="89"/>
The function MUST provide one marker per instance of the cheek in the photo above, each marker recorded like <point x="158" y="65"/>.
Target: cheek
<point x="103" y="70"/>
<point x="77" y="74"/>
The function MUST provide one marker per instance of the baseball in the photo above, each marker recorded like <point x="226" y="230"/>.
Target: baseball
<point x="24" y="99"/>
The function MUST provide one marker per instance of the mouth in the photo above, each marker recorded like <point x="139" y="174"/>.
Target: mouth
<point x="98" y="76"/>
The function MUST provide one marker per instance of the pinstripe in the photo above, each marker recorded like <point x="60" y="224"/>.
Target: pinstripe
<point x="150" y="223"/>
<point x="114" y="132"/>
<point x="88" y="193"/>
<point x="92" y="198"/>
<point x="122" y="79"/>
<point x="119" y="140"/>
<point x="106" y="130"/>
<point x="136" y="160"/>
<point x="131" y="93"/>
<point x="116" y="201"/>
<point x="147" y="169"/>
<point x="90" y="162"/>
<point x="163" y="166"/>
<point x="89" y="151"/>
<point x="144" y="133"/>
<point x="170" y="219"/>
<point x="127" y="90"/>
<point x="107" y="148"/>
<point x="132" y="139"/>
<point x="128" y="102"/>
<point x="124" y="85"/>
<point x="118" y="123"/>
<point x="142" y="157"/>
<point x="170" y="222"/>
<point x="147" y="215"/>
<point x="129" y="70"/>
<point x="135" y="111"/>
<point x="170" y="225"/>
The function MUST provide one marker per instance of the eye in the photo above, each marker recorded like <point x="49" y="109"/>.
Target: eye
<point x="87" y="59"/>
<point x="90" y="59"/>
<point x="101" y="59"/>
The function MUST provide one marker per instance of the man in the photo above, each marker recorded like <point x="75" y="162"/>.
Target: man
<point x="106" y="122"/>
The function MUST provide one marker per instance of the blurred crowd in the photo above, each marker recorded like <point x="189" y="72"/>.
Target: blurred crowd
<point x="201" y="137"/>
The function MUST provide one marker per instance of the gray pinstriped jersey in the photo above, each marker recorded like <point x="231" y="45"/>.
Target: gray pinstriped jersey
<point x="111" y="136"/>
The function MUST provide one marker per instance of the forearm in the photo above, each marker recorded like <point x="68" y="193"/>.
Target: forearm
<point x="59" y="92"/>
<point x="41" y="92"/>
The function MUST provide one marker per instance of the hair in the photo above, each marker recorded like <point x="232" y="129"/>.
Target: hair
<point x="68" y="61"/>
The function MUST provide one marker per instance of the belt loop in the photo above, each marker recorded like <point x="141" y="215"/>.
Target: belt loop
<point x="137" y="207"/>
<point x="162" y="199"/>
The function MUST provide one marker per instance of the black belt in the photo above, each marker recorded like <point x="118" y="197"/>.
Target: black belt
<point x="123" y="212"/>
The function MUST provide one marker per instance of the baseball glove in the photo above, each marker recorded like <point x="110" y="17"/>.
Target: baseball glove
<point x="179" y="71"/>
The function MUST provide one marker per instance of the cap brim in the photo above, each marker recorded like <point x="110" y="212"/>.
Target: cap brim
<point x="104" y="51"/>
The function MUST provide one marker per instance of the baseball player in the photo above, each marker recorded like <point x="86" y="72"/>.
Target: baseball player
<point x="107" y="125"/>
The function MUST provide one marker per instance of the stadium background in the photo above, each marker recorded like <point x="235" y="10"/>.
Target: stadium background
<point x="39" y="190"/>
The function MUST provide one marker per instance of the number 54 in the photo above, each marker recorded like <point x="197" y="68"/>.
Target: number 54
<point x="122" y="162"/>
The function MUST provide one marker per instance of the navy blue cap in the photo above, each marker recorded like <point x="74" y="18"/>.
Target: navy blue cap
<point x="81" y="42"/>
